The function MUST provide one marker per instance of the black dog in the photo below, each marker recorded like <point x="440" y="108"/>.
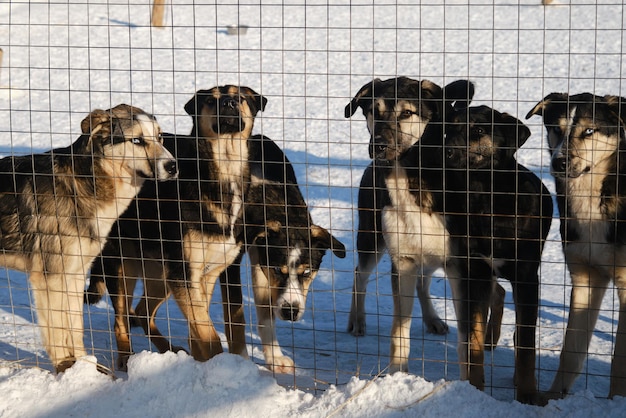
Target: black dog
<point x="180" y="236"/>
<point x="402" y="107"/>
<point x="498" y="215"/>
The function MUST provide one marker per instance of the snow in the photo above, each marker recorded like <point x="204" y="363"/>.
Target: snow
<point x="62" y="60"/>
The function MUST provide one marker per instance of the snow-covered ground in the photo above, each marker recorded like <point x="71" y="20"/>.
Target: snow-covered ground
<point x="63" y="59"/>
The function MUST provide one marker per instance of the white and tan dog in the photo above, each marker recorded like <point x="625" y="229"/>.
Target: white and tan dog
<point x="57" y="208"/>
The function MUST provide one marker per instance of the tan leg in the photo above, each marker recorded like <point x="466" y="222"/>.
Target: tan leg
<point x="434" y="324"/>
<point x="275" y="360"/>
<point x="59" y="305"/>
<point x="403" y="285"/>
<point x="587" y="293"/>
<point x="496" y="312"/>
<point x="618" y="365"/>
<point x="193" y="299"/>
<point x="356" y="320"/>
<point x="155" y="294"/>
<point x="477" y="350"/>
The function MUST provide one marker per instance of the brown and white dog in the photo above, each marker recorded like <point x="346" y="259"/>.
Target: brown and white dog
<point x="180" y="236"/>
<point x="57" y="208"/>
<point x="587" y="142"/>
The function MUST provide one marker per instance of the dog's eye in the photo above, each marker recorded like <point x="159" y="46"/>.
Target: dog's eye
<point x="479" y="130"/>
<point x="306" y="273"/>
<point x="137" y="140"/>
<point x="405" y="114"/>
<point x="589" y="131"/>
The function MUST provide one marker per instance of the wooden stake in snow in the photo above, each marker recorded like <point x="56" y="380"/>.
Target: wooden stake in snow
<point x="158" y="10"/>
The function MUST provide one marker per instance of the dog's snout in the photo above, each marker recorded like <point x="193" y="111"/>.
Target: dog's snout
<point x="229" y="103"/>
<point x="171" y="168"/>
<point x="290" y="311"/>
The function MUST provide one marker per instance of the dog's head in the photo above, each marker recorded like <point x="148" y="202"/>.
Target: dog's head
<point x="224" y="111"/>
<point x="290" y="258"/>
<point x="483" y="138"/>
<point x="130" y="139"/>
<point x="398" y="110"/>
<point x="584" y="131"/>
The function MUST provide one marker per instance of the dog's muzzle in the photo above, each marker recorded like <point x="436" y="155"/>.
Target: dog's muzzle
<point x="289" y="311"/>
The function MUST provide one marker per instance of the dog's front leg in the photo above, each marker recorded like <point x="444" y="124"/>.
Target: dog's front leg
<point x="588" y="288"/>
<point x="193" y="299"/>
<point x="403" y="283"/>
<point x="59" y="304"/>
<point x="434" y="324"/>
<point x="526" y="296"/>
<point x="263" y="300"/>
<point x="232" y="303"/>
<point x="618" y="365"/>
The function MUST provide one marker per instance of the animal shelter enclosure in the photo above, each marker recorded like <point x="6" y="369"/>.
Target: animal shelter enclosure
<point x="304" y="62"/>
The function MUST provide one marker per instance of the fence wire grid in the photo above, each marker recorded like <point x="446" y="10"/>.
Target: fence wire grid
<point x="61" y="60"/>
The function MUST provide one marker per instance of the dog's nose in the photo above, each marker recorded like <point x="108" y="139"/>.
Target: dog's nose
<point x="171" y="168"/>
<point x="559" y="164"/>
<point x="229" y="102"/>
<point x="289" y="311"/>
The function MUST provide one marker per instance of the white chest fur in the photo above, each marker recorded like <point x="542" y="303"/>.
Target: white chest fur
<point x="410" y="231"/>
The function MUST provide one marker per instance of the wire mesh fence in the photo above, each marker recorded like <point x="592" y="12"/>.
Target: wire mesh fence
<point x="61" y="60"/>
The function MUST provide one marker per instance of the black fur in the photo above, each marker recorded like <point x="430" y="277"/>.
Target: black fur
<point x="498" y="215"/>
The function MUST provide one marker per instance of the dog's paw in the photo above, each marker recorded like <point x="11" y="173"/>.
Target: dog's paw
<point x="282" y="364"/>
<point x="436" y="326"/>
<point x="356" y="326"/>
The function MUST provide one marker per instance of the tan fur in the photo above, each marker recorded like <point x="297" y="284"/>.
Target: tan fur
<point x="71" y="215"/>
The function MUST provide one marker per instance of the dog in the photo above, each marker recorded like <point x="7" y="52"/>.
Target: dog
<point x="284" y="246"/>
<point x="498" y="215"/>
<point x="412" y="105"/>
<point x="57" y="208"/>
<point x="180" y="236"/>
<point x="411" y="218"/>
<point x="586" y="138"/>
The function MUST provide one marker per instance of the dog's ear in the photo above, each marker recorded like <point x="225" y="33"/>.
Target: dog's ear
<point x="97" y="128"/>
<point x="191" y="107"/>
<point x="365" y="92"/>
<point x="257" y="101"/>
<point x="320" y="237"/>
<point x="431" y="94"/>
<point x="515" y="128"/>
<point x="542" y="105"/>
<point x="617" y="105"/>
<point x="94" y="121"/>
<point x="459" y="94"/>
<point x="270" y="227"/>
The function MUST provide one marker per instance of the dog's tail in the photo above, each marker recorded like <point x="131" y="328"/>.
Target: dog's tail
<point x="97" y="286"/>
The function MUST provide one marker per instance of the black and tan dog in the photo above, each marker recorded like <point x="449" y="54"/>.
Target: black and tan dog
<point x="588" y="146"/>
<point x="401" y="108"/>
<point x="405" y="213"/>
<point x="285" y="247"/>
<point x="56" y="210"/>
<point x="180" y="236"/>
<point x="498" y="215"/>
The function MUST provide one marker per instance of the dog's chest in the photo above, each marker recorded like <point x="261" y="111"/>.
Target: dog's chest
<point x="411" y="229"/>
<point x="584" y="209"/>
<point x="586" y="218"/>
